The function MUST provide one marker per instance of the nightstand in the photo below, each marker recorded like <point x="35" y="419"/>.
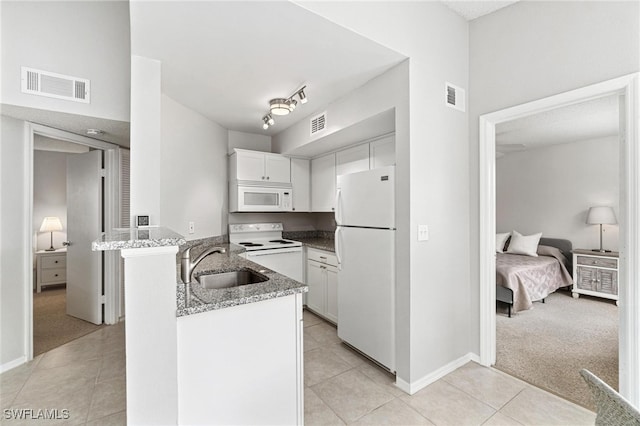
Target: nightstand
<point x="595" y="274"/>
<point x="51" y="267"/>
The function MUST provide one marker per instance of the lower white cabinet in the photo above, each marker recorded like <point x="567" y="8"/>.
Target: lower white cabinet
<point x="242" y="365"/>
<point x="322" y="279"/>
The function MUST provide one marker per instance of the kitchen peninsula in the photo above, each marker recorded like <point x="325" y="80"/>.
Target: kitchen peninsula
<point x="210" y="362"/>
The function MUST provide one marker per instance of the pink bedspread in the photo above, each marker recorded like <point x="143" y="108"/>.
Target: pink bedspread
<point x="530" y="278"/>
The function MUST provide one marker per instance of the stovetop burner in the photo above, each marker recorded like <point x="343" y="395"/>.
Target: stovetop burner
<point x="251" y="244"/>
<point x="281" y="241"/>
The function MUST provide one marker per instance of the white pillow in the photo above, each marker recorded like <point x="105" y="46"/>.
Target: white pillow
<point x="501" y="240"/>
<point x="524" y="244"/>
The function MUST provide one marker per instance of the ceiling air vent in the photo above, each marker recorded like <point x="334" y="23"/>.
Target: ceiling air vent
<point x="45" y="83"/>
<point x="319" y="123"/>
<point x="454" y="97"/>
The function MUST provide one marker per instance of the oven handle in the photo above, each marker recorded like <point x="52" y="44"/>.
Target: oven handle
<point x="272" y="252"/>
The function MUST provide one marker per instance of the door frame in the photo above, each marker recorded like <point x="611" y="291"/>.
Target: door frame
<point x="111" y="218"/>
<point x="627" y="88"/>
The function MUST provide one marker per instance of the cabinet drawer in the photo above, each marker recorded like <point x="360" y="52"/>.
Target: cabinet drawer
<point x="598" y="261"/>
<point x="54" y="261"/>
<point x="322" y="257"/>
<point x="53" y="276"/>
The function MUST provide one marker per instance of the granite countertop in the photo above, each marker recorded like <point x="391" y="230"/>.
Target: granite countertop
<point x="203" y="300"/>
<point x="126" y="238"/>
<point x="320" y="243"/>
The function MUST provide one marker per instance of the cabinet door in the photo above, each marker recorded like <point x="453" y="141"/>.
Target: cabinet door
<point x="250" y="166"/>
<point x="586" y="279"/>
<point x="332" y="294"/>
<point x="352" y="160"/>
<point x="301" y="183"/>
<point x="316" y="280"/>
<point x="383" y="152"/>
<point x="278" y="168"/>
<point x="323" y="183"/>
<point x="607" y="281"/>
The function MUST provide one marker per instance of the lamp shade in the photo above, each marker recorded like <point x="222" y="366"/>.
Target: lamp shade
<point x="601" y="215"/>
<point x="50" y="224"/>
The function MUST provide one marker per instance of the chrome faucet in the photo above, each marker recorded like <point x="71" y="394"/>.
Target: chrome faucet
<point x="187" y="266"/>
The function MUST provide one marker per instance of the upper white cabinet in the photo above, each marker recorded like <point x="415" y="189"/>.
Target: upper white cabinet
<point x="301" y="183"/>
<point x="260" y="167"/>
<point x="382" y="152"/>
<point x="323" y="183"/>
<point x="352" y="160"/>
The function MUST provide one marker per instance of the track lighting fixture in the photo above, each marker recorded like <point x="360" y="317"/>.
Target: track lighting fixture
<point x="283" y="106"/>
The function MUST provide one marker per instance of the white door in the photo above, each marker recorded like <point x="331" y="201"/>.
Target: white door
<point x="84" y="225"/>
<point x="367" y="198"/>
<point x="323" y="183"/>
<point x="332" y="294"/>
<point x="316" y="280"/>
<point x="250" y="166"/>
<point x="278" y="168"/>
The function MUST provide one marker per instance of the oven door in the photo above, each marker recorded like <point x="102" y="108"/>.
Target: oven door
<point x="263" y="199"/>
<point x="285" y="261"/>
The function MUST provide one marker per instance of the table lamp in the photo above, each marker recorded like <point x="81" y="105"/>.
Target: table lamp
<point x="598" y="216"/>
<point x="50" y="224"/>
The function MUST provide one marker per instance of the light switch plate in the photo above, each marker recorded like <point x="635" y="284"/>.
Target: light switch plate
<point x="423" y="232"/>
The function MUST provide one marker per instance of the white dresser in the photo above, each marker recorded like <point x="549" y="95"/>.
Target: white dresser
<point x="595" y="274"/>
<point x="51" y="268"/>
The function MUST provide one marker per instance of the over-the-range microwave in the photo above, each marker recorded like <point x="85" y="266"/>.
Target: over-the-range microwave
<point x="247" y="198"/>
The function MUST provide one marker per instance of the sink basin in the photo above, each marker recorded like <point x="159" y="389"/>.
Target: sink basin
<point x="230" y="279"/>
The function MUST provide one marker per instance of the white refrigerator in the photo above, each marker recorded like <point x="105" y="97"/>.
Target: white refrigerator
<point x="365" y="248"/>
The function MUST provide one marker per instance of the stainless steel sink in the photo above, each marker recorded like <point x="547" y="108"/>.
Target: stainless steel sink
<point x="230" y="279"/>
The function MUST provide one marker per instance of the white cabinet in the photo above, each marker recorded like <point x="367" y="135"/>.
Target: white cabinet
<point x="259" y="167"/>
<point x="323" y="183"/>
<point x="352" y="160"/>
<point x="242" y="364"/>
<point x="301" y="183"/>
<point x="382" y="152"/>
<point x="51" y="267"/>
<point x="322" y="279"/>
<point x="595" y="274"/>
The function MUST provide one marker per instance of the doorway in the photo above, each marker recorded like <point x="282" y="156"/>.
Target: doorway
<point x="57" y="318"/>
<point x="102" y="297"/>
<point x="626" y="88"/>
<point x="550" y="168"/>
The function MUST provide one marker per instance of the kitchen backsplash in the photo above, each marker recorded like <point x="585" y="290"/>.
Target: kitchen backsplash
<point x="293" y="235"/>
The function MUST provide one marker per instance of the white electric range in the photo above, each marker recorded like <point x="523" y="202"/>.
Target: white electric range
<point x="265" y="246"/>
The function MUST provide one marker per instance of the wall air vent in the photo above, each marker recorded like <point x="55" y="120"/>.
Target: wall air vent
<point x="319" y="123"/>
<point x="45" y="83"/>
<point x="454" y="97"/>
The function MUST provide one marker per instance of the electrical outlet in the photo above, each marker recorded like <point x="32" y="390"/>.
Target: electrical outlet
<point x="423" y="232"/>
<point x="192" y="227"/>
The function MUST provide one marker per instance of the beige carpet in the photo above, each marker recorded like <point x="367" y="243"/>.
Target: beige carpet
<point x="549" y="344"/>
<point x="52" y="326"/>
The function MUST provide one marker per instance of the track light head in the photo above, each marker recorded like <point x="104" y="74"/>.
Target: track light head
<point x="270" y="120"/>
<point x="303" y="97"/>
<point x="292" y="104"/>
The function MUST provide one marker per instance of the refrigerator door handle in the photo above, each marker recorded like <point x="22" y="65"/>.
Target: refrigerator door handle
<point x="338" y="213"/>
<point x="337" y="242"/>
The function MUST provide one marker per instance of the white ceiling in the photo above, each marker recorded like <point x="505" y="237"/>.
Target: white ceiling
<point x="471" y="10"/>
<point x="597" y="118"/>
<point x="226" y="60"/>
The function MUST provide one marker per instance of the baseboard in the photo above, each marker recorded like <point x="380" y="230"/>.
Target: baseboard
<point x="12" y="364"/>
<point x="417" y="385"/>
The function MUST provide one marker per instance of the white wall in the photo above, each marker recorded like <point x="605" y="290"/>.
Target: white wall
<point x="14" y="261"/>
<point x="145" y="165"/>
<point x="49" y="195"/>
<point x="252" y="141"/>
<point x="514" y="61"/>
<point x="431" y="157"/>
<point x="550" y="190"/>
<point x="193" y="181"/>
<point x="87" y="39"/>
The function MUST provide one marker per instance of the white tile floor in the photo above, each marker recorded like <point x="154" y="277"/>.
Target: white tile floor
<point x="87" y="377"/>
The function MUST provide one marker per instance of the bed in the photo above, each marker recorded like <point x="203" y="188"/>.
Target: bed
<point x="522" y="280"/>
